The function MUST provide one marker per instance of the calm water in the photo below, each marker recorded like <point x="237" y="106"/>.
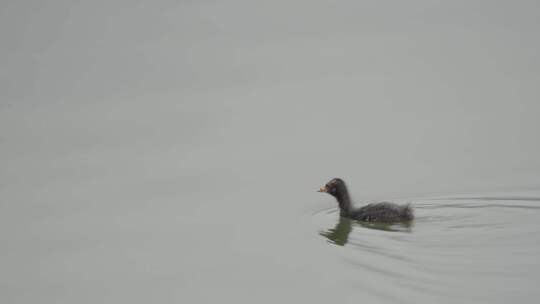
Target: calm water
<point x="169" y="152"/>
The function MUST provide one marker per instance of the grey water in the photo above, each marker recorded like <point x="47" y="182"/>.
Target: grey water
<point x="170" y="151"/>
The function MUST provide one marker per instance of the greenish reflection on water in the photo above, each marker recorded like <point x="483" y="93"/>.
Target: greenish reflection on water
<point x="339" y="235"/>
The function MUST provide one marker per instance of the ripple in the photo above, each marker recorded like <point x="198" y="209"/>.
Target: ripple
<point x="453" y="243"/>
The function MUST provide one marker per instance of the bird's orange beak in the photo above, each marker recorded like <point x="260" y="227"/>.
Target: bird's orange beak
<point x="322" y="189"/>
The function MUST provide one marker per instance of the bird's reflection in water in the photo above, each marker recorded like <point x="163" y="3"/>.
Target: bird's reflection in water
<point x="339" y="235"/>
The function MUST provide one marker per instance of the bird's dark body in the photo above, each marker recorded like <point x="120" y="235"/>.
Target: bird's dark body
<point x="377" y="212"/>
<point x="381" y="212"/>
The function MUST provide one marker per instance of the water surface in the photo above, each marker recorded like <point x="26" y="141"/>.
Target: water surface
<point x="169" y="151"/>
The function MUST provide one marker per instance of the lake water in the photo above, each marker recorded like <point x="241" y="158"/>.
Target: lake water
<point x="165" y="152"/>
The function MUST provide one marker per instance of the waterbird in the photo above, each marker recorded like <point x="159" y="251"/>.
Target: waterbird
<point x="385" y="212"/>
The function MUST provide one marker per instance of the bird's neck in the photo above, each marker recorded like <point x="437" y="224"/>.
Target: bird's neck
<point x="344" y="202"/>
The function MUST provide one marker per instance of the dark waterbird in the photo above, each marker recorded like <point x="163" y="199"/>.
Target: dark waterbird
<point x="383" y="212"/>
